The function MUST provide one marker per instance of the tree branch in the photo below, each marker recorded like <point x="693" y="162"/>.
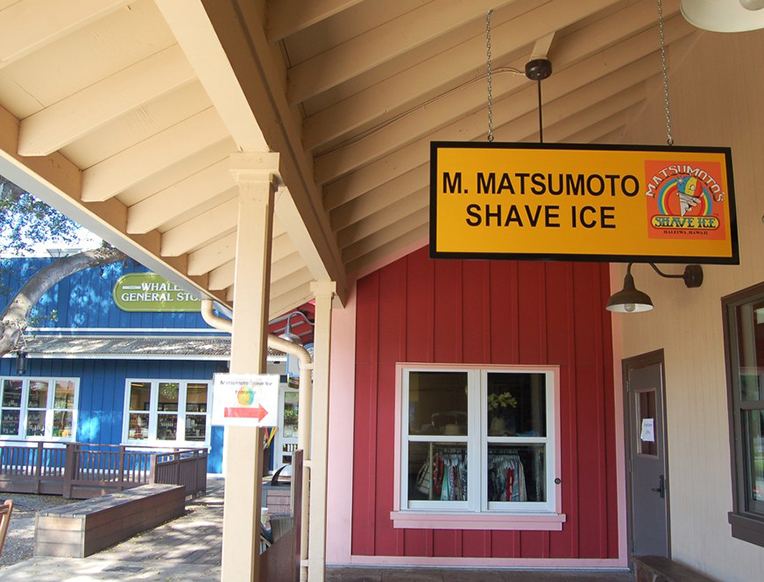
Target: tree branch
<point x="13" y="320"/>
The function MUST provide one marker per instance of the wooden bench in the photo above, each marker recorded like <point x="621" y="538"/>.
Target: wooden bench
<point x="86" y="527"/>
<point x="6" y="509"/>
<point x="660" y="569"/>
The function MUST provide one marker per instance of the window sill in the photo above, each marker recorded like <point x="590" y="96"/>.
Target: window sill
<point x="748" y="529"/>
<point x="469" y="520"/>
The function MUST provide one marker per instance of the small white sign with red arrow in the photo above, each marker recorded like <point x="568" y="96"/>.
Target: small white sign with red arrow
<point x="246" y="400"/>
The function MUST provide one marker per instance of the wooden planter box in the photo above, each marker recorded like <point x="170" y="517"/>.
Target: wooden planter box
<point x="86" y="527"/>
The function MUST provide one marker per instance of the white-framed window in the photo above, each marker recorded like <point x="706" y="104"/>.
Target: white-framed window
<point x="477" y="447"/>
<point x="38" y="408"/>
<point x="167" y="412"/>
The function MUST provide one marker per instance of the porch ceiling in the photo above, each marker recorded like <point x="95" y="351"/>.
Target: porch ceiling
<point x="123" y="114"/>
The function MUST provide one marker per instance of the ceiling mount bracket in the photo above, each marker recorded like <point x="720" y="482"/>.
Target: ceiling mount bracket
<point x="538" y="69"/>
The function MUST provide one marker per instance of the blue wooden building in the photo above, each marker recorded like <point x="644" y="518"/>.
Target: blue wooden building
<point x="96" y="373"/>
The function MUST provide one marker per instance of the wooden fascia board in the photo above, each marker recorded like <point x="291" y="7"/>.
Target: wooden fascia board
<point x="57" y="182"/>
<point x="240" y="30"/>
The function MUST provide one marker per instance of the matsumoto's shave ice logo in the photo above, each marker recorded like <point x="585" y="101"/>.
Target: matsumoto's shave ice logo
<point x="685" y="201"/>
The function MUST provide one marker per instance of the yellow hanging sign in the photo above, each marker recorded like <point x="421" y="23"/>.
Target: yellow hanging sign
<point x="575" y="202"/>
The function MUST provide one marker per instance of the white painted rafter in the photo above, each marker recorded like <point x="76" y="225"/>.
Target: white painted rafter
<point x="64" y="122"/>
<point x="29" y="25"/>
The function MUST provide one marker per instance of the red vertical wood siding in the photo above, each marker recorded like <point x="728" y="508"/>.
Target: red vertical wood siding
<point x="482" y="312"/>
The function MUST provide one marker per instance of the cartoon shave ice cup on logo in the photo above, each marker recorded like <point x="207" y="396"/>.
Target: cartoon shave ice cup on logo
<point x="245" y="395"/>
<point x="685" y="200"/>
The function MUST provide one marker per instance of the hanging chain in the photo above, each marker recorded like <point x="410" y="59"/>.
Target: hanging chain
<point x="669" y="138"/>
<point x="490" y="87"/>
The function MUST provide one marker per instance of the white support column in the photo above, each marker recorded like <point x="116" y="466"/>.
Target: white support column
<point x="257" y="176"/>
<point x="324" y="292"/>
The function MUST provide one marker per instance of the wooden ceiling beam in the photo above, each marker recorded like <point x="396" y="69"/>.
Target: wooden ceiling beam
<point x="386" y="235"/>
<point x="378" y="201"/>
<point x="197" y="37"/>
<point x="473" y="126"/>
<point x="127" y="168"/>
<point x="173" y="201"/>
<point x="294" y="279"/>
<point x="594" y="132"/>
<point x="345" y="214"/>
<point x="200" y="230"/>
<point x="450" y="66"/>
<point x="287" y="17"/>
<point x="418" y="234"/>
<point x="213" y="255"/>
<point x="382" y="219"/>
<point x="222" y="277"/>
<point x="281" y="304"/>
<point x="240" y="27"/>
<point x="29" y="25"/>
<point x="568" y="52"/>
<point x="68" y="120"/>
<point x="381" y="44"/>
<point x="57" y="182"/>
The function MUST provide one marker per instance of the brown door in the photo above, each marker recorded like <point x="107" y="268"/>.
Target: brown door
<point x="648" y="485"/>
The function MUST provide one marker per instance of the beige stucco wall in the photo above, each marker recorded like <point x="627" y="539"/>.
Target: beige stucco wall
<point x="717" y="98"/>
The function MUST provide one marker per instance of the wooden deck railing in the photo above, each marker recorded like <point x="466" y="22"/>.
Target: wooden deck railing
<point x="81" y="471"/>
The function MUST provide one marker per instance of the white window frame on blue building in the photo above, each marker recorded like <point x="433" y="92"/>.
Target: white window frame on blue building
<point x="153" y="417"/>
<point x="50" y="412"/>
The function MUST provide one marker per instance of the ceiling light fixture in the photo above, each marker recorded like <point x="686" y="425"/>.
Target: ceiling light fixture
<point x="632" y="300"/>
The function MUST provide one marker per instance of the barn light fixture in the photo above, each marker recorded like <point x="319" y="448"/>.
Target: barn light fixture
<point x="724" y="15"/>
<point x="21" y="363"/>
<point x="632" y="300"/>
<point x="288" y="335"/>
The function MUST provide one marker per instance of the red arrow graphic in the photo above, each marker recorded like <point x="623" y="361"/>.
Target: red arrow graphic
<point x="236" y="412"/>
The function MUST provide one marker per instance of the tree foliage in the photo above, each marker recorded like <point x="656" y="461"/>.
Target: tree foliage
<point x="26" y="221"/>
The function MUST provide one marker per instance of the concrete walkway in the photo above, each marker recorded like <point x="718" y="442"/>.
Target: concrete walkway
<point x="189" y="548"/>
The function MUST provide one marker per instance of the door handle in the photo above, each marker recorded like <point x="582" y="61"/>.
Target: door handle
<point x="661" y="488"/>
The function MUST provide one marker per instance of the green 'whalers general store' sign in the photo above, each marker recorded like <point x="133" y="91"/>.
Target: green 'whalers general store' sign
<point x="151" y="292"/>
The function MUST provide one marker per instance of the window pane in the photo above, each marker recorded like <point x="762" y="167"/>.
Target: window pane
<point x="517" y="472"/>
<point x="438" y="471"/>
<point x="140" y="396"/>
<point x="291" y="408"/>
<point x="754" y="436"/>
<point x="38" y="394"/>
<point x="36" y="423"/>
<point x="438" y="403"/>
<point x="10" y="423"/>
<point x="12" y="393"/>
<point x="196" y="398"/>
<point x="64" y="397"/>
<point x="196" y="427"/>
<point x="138" y="426"/>
<point x="750" y="318"/>
<point x="516" y="404"/>
<point x="167" y="425"/>
<point x="168" y="396"/>
<point x="62" y="423"/>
